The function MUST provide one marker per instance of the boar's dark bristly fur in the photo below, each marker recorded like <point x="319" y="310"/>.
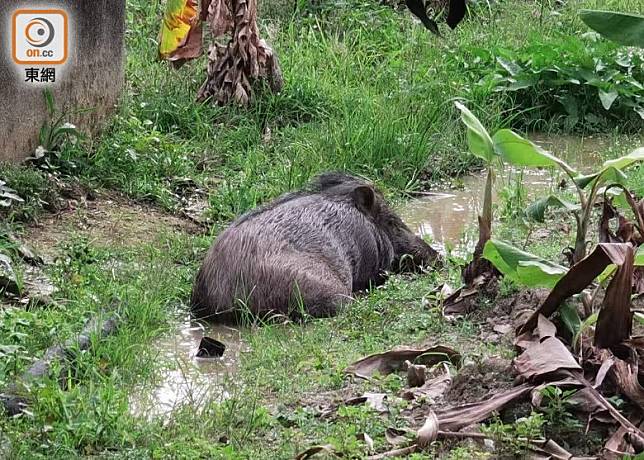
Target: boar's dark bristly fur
<point x="307" y="250"/>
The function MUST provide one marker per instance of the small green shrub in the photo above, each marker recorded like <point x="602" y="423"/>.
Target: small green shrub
<point x="557" y="409"/>
<point x="31" y="185"/>
<point x="514" y="438"/>
<point x="574" y="83"/>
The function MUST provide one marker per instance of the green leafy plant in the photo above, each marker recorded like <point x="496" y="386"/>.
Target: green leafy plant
<point x="589" y="188"/>
<point x="507" y="146"/>
<point x="624" y="28"/>
<point x="574" y="82"/>
<point x="54" y="133"/>
<point x="25" y="191"/>
<point x="557" y="408"/>
<point x="514" y="438"/>
<point x="8" y="196"/>
<point x="481" y="146"/>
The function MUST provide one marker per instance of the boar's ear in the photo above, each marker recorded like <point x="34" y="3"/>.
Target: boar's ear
<point x="364" y="197"/>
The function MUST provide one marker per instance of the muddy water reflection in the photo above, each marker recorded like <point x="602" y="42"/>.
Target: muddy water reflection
<point x="446" y="216"/>
<point x="186" y="379"/>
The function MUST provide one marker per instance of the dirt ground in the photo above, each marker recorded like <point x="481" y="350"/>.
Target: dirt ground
<point x="109" y="219"/>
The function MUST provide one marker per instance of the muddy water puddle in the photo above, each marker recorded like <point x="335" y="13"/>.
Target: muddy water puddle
<point x="447" y="217"/>
<point x="187" y="379"/>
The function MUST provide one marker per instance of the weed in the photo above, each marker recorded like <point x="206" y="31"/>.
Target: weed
<point x="54" y="134"/>
<point x="30" y="191"/>
<point x="514" y="439"/>
<point x="507" y="287"/>
<point x="557" y="409"/>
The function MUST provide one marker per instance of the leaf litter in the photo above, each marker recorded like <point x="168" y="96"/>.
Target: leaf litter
<point x="596" y="365"/>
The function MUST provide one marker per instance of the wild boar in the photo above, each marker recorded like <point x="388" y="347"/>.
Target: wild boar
<point x="306" y="252"/>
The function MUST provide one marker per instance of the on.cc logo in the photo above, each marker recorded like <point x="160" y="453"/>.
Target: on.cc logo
<point x="40" y="36"/>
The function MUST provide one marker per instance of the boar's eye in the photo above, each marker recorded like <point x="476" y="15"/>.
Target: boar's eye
<point x="393" y="221"/>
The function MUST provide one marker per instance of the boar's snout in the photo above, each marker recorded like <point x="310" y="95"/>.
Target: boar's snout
<point x="419" y="254"/>
<point x="410" y="251"/>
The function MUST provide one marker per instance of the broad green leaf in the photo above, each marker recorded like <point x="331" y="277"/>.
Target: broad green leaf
<point x="521" y="152"/>
<point x="522" y="267"/>
<point x="570" y="318"/>
<point x="537" y="210"/>
<point x="611" y="170"/>
<point x="529" y="271"/>
<point x="623" y="28"/>
<point x="478" y="139"/>
<point x="627" y="160"/>
<point x="181" y="16"/>
<point x="606" y="176"/>
<point x="607" y="98"/>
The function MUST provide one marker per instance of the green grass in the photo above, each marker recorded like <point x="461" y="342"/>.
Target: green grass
<point x="367" y="90"/>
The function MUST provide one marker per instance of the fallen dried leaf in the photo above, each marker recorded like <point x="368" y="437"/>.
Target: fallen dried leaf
<point x="502" y="328"/>
<point x="545" y="358"/>
<point x="314" y="450"/>
<point x="432" y="389"/>
<point x="635" y="434"/>
<point x="395" y="453"/>
<point x="460" y="302"/>
<point x="428" y="432"/>
<point x="548" y="449"/>
<point x="396" y="436"/>
<point x="626" y="379"/>
<point x="617" y="448"/>
<point x="374" y="400"/>
<point x="467" y="414"/>
<point x="393" y="360"/>
<point x="415" y="374"/>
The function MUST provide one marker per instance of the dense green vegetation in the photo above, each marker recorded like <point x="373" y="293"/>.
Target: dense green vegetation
<point x="367" y="90"/>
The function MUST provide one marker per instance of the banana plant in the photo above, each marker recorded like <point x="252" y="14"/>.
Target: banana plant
<point x="589" y="188"/>
<point x="505" y="146"/>
<point x="481" y="146"/>
<point x="233" y="69"/>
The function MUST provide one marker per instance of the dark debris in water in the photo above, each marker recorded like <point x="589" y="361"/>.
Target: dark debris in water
<point x="211" y="348"/>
